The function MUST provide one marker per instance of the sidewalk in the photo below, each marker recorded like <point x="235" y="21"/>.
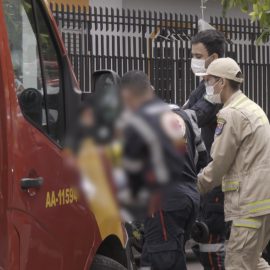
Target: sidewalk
<point x="194" y="266"/>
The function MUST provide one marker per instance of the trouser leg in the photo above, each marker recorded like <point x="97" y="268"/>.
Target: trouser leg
<point x="248" y="239"/>
<point x="212" y="254"/>
<point x="263" y="265"/>
<point x="164" y="240"/>
<point x="162" y="251"/>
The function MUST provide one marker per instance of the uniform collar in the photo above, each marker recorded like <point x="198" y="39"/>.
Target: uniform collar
<point x="148" y="103"/>
<point x="232" y="98"/>
<point x="154" y="106"/>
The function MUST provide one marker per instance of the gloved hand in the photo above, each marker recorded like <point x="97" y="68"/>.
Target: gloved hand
<point x="200" y="232"/>
<point x="216" y="223"/>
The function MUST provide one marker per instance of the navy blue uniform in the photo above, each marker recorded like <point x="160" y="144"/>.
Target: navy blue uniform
<point x="154" y="161"/>
<point x="206" y="114"/>
<point x="212" y="204"/>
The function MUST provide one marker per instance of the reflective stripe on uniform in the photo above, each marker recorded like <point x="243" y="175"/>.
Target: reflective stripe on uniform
<point x="200" y="146"/>
<point x="143" y="128"/>
<point x="258" y="206"/>
<point x="247" y="223"/>
<point x="157" y="108"/>
<point x="230" y="186"/>
<point x="132" y="165"/>
<point x="212" y="247"/>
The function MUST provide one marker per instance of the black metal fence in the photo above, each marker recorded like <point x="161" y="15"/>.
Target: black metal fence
<point x="159" y="44"/>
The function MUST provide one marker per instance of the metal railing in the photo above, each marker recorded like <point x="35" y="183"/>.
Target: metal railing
<point x="159" y="44"/>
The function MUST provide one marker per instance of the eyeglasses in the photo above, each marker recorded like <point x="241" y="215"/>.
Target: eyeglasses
<point x="211" y="81"/>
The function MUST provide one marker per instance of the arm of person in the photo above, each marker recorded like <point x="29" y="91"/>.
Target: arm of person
<point x="195" y="95"/>
<point x="205" y="110"/>
<point x="232" y="129"/>
<point x="202" y="156"/>
<point x="133" y="159"/>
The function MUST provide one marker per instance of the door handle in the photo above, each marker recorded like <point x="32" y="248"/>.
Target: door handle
<point x="27" y="183"/>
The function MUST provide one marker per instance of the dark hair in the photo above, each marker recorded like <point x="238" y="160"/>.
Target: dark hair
<point x="236" y="85"/>
<point x="136" y="81"/>
<point x="86" y="104"/>
<point x="213" y="40"/>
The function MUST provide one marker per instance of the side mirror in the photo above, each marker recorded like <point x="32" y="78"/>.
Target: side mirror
<point x="107" y="102"/>
<point x="105" y="77"/>
<point x="85" y="95"/>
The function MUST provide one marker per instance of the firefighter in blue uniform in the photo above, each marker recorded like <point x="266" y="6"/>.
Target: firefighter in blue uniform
<point x="207" y="46"/>
<point x="159" y="154"/>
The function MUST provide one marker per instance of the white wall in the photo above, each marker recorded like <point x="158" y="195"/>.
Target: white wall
<point x="213" y="7"/>
<point x="107" y="3"/>
<point x="175" y="6"/>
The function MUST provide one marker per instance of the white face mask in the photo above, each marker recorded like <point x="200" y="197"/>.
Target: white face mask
<point x="209" y="90"/>
<point x="211" y="96"/>
<point x="198" y="65"/>
<point x="214" y="99"/>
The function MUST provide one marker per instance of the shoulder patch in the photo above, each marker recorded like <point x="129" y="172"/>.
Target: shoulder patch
<point x="220" y="125"/>
<point x="173" y="125"/>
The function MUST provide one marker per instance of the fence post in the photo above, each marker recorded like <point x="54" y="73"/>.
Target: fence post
<point x="159" y="44"/>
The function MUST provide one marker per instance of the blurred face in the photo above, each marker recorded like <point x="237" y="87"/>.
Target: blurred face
<point x="133" y="102"/>
<point x="87" y="118"/>
<point x="128" y="99"/>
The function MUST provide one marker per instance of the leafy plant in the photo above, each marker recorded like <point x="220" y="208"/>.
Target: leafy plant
<point x="258" y="10"/>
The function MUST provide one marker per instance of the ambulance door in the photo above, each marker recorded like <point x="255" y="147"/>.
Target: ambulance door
<point x="55" y="227"/>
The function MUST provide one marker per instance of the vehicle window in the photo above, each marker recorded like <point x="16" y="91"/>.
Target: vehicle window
<point x="36" y="66"/>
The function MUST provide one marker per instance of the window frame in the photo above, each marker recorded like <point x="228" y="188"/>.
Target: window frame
<point x="59" y="142"/>
<point x="61" y="112"/>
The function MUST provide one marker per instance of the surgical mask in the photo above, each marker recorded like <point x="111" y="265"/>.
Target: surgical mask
<point x="198" y="65"/>
<point x="211" y="96"/>
<point x="210" y="90"/>
<point x="214" y="99"/>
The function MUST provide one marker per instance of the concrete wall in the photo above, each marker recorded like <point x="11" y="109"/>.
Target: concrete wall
<point x="108" y="3"/>
<point x="180" y="6"/>
<point x="70" y="2"/>
<point x="213" y="7"/>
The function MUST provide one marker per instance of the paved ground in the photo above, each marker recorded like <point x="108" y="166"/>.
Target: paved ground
<point x="194" y="266"/>
<point x="191" y="259"/>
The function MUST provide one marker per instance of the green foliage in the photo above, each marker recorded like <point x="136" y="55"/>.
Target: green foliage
<point x="258" y="10"/>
